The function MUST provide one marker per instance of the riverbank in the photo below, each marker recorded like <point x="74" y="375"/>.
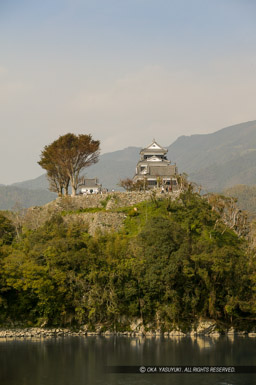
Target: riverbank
<point x="64" y="332"/>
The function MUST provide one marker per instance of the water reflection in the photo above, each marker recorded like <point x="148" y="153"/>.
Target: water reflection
<point x="81" y="360"/>
<point x="231" y="337"/>
<point x="205" y="343"/>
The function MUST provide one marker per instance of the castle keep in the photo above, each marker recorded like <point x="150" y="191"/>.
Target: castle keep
<point x="154" y="168"/>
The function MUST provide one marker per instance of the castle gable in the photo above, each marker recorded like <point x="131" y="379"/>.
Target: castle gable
<point x="155" y="146"/>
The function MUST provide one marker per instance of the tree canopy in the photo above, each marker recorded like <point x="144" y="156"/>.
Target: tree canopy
<point x="172" y="264"/>
<point x="64" y="159"/>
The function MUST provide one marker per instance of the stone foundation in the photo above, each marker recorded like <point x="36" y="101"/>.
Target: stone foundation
<point x="104" y="220"/>
<point x="98" y="222"/>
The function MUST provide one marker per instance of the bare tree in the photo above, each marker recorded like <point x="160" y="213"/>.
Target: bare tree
<point x="230" y="213"/>
<point x="130" y="185"/>
<point x="17" y="216"/>
<point x="183" y="183"/>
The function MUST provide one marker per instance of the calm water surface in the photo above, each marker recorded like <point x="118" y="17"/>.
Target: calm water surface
<point x="81" y="360"/>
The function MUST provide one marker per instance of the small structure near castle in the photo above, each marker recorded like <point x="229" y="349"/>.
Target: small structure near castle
<point x="154" y="169"/>
<point x="90" y="186"/>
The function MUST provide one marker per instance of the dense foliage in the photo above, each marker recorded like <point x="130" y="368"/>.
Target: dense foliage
<point x="172" y="263"/>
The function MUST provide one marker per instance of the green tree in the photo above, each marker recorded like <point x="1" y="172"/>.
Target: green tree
<point x="7" y="230"/>
<point x="172" y="264"/>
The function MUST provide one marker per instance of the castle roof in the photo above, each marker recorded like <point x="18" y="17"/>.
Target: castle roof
<point x="162" y="171"/>
<point x="154" y="147"/>
<point x="90" y="183"/>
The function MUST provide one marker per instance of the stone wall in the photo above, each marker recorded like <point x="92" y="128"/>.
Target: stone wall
<point x="109" y="200"/>
<point x="98" y="222"/>
<point x="102" y="220"/>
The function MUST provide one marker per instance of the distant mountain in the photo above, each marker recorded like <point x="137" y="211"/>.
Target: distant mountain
<point x="216" y="161"/>
<point x="111" y="167"/>
<point x="219" y="160"/>
<point x="10" y="196"/>
<point x="39" y="183"/>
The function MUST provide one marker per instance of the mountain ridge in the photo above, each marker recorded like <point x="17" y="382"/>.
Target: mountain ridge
<point x="216" y="161"/>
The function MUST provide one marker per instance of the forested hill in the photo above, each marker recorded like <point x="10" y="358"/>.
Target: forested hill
<point x="12" y="196"/>
<point x="216" y="161"/>
<point x="172" y="263"/>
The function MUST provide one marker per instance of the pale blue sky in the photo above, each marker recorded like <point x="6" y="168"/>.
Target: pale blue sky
<point x="123" y="70"/>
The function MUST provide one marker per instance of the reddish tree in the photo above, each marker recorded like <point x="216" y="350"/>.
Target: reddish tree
<point x="66" y="157"/>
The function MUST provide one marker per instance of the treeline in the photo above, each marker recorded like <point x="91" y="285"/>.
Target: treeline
<point x="172" y="264"/>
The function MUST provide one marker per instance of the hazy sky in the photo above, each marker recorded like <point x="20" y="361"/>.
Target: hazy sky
<point x="123" y="70"/>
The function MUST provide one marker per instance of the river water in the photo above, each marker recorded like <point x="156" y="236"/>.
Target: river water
<point x="83" y="360"/>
